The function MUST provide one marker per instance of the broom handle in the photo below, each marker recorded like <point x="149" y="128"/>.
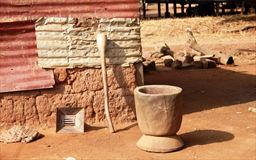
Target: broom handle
<point x="102" y="44"/>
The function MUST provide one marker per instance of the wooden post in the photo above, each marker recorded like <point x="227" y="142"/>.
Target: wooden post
<point x="217" y="4"/>
<point x="167" y="13"/>
<point x="189" y="8"/>
<point x="159" y="8"/>
<point x="102" y="44"/>
<point x="182" y="7"/>
<point x="175" y="8"/>
<point x="144" y="8"/>
<point x="242" y="7"/>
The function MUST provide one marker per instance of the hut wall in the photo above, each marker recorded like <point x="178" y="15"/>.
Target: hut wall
<point x="63" y="43"/>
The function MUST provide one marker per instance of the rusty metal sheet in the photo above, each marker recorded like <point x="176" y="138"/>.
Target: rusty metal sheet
<point x="18" y="10"/>
<point x="18" y="59"/>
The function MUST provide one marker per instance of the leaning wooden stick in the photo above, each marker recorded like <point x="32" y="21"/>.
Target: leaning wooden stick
<point x="102" y="43"/>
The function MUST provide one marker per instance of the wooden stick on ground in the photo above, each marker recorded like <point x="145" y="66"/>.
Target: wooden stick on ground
<point x="204" y="52"/>
<point x="192" y="43"/>
<point x="241" y="29"/>
<point x="102" y="43"/>
<point x="198" y="58"/>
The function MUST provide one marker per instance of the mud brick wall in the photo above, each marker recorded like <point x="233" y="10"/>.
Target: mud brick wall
<point x="71" y="42"/>
<point x="75" y="88"/>
<point x="67" y="46"/>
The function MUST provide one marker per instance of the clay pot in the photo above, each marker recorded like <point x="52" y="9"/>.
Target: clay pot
<point x="159" y="116"/>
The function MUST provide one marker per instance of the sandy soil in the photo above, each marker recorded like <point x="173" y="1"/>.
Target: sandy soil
<point x="212" y="33"/>
<point x="216" y="123"/>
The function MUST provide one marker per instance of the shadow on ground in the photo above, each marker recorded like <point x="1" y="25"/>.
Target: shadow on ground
<point x="208" y="88"/>
<point x="90" y="128"/>
<point x="203" y="137"/>
<point x="127" y="127"/>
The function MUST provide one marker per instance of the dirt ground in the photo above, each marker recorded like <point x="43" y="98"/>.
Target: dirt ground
<point x="216" y="123"/>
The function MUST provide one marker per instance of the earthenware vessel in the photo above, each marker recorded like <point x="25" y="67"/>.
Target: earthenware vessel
<point x="159" y="116"/>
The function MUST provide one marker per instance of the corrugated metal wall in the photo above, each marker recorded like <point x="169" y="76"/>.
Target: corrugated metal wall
<point x="18" y="59"/>
<point x="18" y="10"/>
